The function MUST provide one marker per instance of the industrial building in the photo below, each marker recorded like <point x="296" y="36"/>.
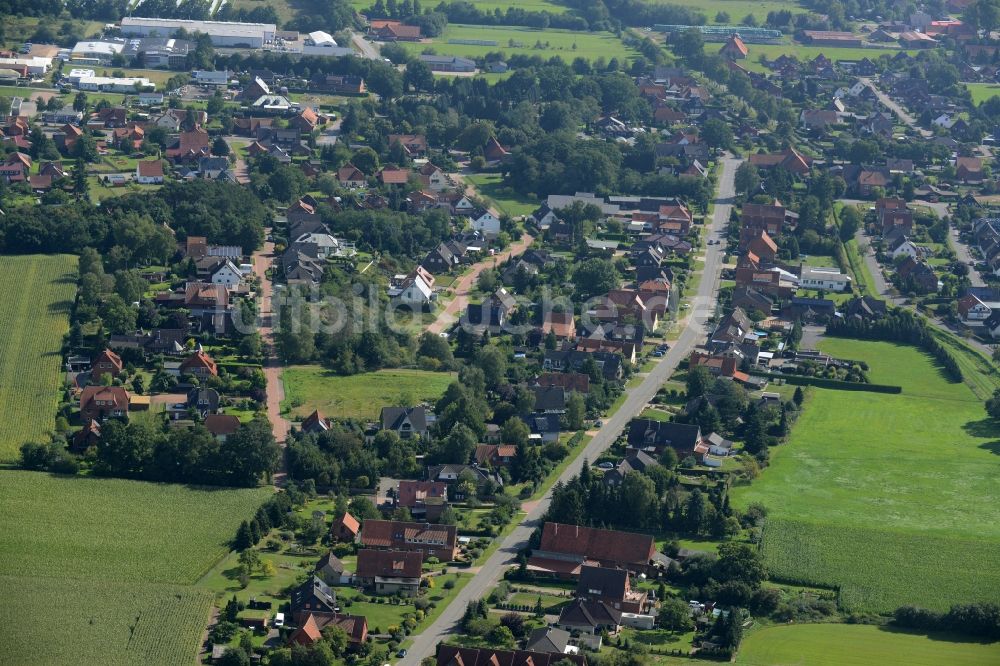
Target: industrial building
<point x="114" y="84"/>
<point x="158" y="52"/>
<point x="439" y="63"/>
<point x="95" y="53"/>
<point x="34" y="65"/>
<point x="222" y="33"/>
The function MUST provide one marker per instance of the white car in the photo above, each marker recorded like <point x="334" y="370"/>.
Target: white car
<point x="279" y="620"/>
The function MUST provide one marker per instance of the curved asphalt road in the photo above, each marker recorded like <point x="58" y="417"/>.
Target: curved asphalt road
<point x="703" y="307"/>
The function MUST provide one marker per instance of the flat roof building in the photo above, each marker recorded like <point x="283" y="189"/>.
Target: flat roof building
<point x="101" y="52"/>
<point x="222" y="33"/>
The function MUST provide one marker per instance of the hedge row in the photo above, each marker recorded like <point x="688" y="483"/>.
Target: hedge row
<point x="823" y="382"/>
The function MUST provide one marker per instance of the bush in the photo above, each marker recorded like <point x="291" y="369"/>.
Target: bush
<point x="449" y="584"/>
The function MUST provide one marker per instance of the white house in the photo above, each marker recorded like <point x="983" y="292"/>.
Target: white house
<point x="903" y="246"/>
<point x="486" y="223"/>
<point x="973" y="309"/>
<point x="544" y="217"/>
<point x="211" y="78"/>
<point x="228" y="274"/>
<point x="827" y="279"/>
<point x="150" y="99"/>
<point x="944" y="120"/>
<point x="417" y="288"/>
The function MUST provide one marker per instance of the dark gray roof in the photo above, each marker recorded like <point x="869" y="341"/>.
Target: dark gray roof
<point x="643" y="433"/>
<point x="393" y="418"/>
<point x="549" y="398"/>
<point x="602" y="582"/>
<point x="547" y="639"/>
<point x="590" y="613"/>
<point x="313" y="595"/>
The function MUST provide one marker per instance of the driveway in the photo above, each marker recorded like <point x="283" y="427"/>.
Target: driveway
<point x="366" y="48"/>
<point x="637" y="398"/>
<point x="465" y="284"/>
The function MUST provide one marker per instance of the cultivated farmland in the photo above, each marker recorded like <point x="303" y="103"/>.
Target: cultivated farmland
<point x="112" y="529"/>
<point x="887" y="496"/>
<point x="510" y="40"/>
<point x="58" y="621"/>
<point x="310" y="387"/>
<point x="860" y="645"/>
<point x="36" y="294"/>
<point x="103" y="566"/>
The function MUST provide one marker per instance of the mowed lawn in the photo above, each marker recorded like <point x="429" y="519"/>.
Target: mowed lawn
<point x="860" y="645"/>
<point x="484" y="5"/>
<point x="982" y="91"/>
<point x="872" y="487"/>
<point x="311" y="387"/>
<point x="36" y="295"/>
<point x="566" y="44"/>
<point x="491" y="186"/>
<point x="102" y="568"/>
<point x="806" y="52"/>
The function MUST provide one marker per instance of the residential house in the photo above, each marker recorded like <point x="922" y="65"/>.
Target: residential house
<point x="311" y="625"/>
<point x="415" y="289"/>
<point x="315" y="423"/>
<point x="106" y="363"/>
<point x="494" y="455"/>
<point x="789" y="159"/>
<point x="393" y="175"/>
<point x="611" y="586"/>
<point x="222" y="425"/>
<point x="971" y="308"/>
<point x="204" y="400"/>
<point x="485" y="223"/>
<point x="654" y="436"/>
<point x="312" y="596"/>
<point x="549" y="640"/>
<point x="149" y="172"/>
<point x="772" y="218"/>
<point x="407" y="422"/>
<point x="441" y="259"/>
<point x="426" y="500"/>
<point x="818" y="119"/>
<point x="199" y="364"/>
<point x="227" y="274"/>
<point x="440" y="541"/>
<point x="451" y="655"/>
<point x="917" y="275"/>
<point x="494" y="152"/>
<point x="351" y="176"/>
<point x="902" y="246"/>
<point x="825" y="279"/>
<point x="394" y="31"/>
<point x="637" y="461"/>
<point x="346" y="528"/>
<point x="415" y="144"/>
<point x="564" y="549"/>
<point x="98" y="403"/>
<point x="331" y="570"/>
<point x="590" y="618"/>
<point x="734" y="48"/>
<point x="969" y="169"/>
<point x="390" y="571"/>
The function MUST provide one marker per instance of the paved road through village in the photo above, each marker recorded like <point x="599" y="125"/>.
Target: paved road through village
<point x="694" y="332"/>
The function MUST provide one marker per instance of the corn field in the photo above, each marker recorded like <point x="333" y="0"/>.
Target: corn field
<point x="36" y="294"/>
<point x="878" y="570"/>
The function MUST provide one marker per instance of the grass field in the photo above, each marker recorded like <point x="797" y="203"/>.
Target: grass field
<point x="103" y="567"/>
<point x="310" y="387"/>
<point x="887" y="496"/>
<point x="526" y="41"/>
<point x="491" y="186"/>
<point x="36" y="294"/>
<point x="982" y="91"/>
<point x="859" y="645"/>
<point x="804" y="52"/>
<point x="737" y="9"/>
<point x="485" y="5"/>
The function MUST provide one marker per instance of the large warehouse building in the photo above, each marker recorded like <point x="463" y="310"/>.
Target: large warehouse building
<point x="223" y="33"/>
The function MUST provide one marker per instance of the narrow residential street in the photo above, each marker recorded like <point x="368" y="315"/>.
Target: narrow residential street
<point x="262" y="261"/>
<point x="694" y="332"/>
<point x="467" y="283"/>
<point x="367" y="49"/>
<point x="900" y="112"/>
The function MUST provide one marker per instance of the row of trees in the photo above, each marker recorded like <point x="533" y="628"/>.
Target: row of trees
<point x="144" y="450"/>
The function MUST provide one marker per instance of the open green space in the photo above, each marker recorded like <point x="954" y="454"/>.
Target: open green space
<point x="565" y="44"/>
<point x="490" y="185"/>
<point x="311" y="387"/>
<point x="737" y="9"/>
<point x="982" y="91"/>
<point x="805" y="52"/>
<point x="36" y="294"/>
<point x="886" y="496"/>
<point x="98" y="571"/>
<point x="483" y="5"/>
<point x="860" y="645"/>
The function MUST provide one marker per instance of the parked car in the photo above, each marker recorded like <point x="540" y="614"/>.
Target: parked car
<point x="606" y="465"/>
<point x="279" y="620"/>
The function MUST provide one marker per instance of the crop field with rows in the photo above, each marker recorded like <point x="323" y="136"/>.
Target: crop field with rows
<point x="36" y="294"/>
<point x="105" y="567"/>
<point x="58" y="621"/>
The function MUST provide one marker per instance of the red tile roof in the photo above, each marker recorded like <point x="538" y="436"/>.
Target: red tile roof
<point x="389" y="563"/>
<point x="602" y="545"/>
